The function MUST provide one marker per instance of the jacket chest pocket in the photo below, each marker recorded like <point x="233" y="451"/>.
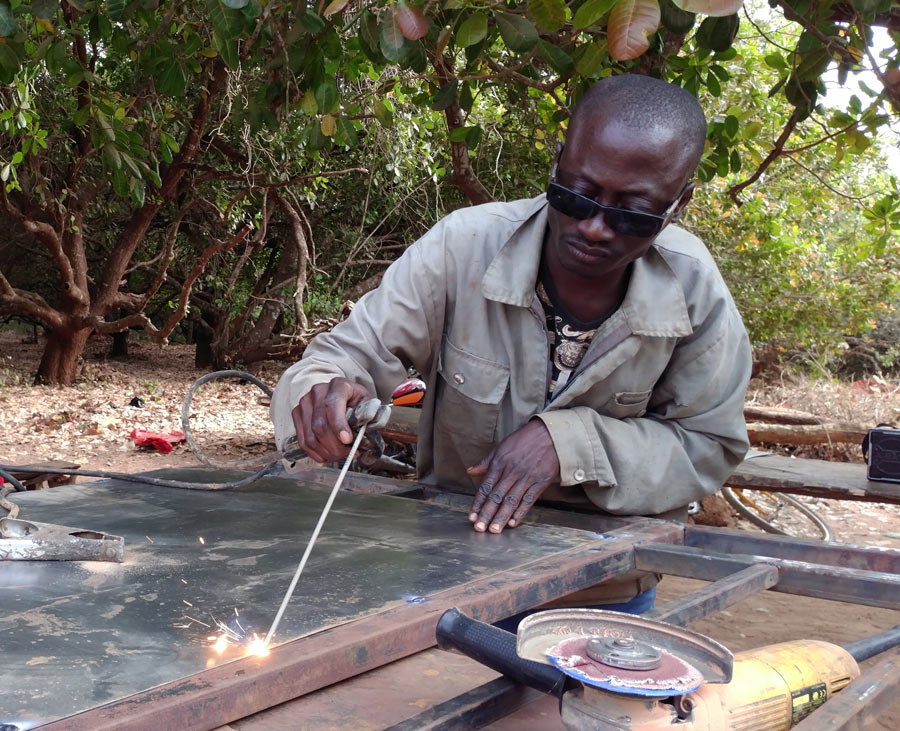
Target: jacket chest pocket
<point x="627" y="404"/>
<point x="472" y="389"/>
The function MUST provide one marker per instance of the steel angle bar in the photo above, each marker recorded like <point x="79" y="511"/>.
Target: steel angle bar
<point x="861" y="702"/>
<point x="854" y="586"/>
<point x="231" y="691"/>
<point x="717" y="596"/>
<point x="845" y="555"/>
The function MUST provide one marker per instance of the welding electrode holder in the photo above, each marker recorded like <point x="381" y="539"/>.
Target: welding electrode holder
<point x="372" y="414"/>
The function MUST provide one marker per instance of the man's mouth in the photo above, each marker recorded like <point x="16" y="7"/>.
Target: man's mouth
<point x="588" y="251"/>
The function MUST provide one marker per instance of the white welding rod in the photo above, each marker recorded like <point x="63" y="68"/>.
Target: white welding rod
<point x="315" y="534"/>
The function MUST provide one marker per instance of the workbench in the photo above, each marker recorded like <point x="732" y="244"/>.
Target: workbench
<point x="818" y="478"/>
<point x="91" y="646"/>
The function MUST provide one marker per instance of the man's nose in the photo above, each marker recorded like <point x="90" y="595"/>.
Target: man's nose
<point x="595" y="228"/>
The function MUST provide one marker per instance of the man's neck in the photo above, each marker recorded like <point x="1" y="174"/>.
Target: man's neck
<point x="588" y="298"/>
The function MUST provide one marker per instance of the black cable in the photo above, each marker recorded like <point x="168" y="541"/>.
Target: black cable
<point x="185" y="425"/>
<point x="10" y="479"/>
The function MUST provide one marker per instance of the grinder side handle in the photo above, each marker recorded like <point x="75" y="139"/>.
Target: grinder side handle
<point x="496" y="648"/>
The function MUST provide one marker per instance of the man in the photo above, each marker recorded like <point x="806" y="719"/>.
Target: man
<point x="577" y="347"/>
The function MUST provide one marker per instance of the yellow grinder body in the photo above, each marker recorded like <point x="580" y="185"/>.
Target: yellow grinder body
<point x="772" y="689"/>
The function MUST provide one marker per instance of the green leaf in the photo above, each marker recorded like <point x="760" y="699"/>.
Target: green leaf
<point x="519" y="35"/>
<point x="472" y="30"/>
<point x="466" y="100"/>
<point x="111" y="156"/>
<point x="813" y="64"/>
<point x="172" y="81"/>
<point x="17" y="158"/>
<point x="314" y="137"/>
<point x="170" y="142"/>
<point x="8" y="26"/>
<point x="751" y="130"/>
<point x="775" y="61"/>
<point x="312" y="23"/>
<point x="9" y="61"/>
<point x="559" y="60"/>
<point x="459" y="134"/>
<point x="308" y="103"/>
<point x="445" y="96"/>
<point x="712" y="83"/>
<point x="44" y="8"/>
<point x="589" y="58"/>
<point x="116" y="8"/>
<point x="225" y="20"/>
<point x="227" y="50"/>
<point x="326" y="96"/>
<point x="137" y="192"/>
<point x="392" y="39"/>
<point x="548" y="14"/>
<point x="346" y="133"/>
<point x="82" y="115"/>
<point x="473" y="138"/>
<point x="732" y="126"/>
<point x="591" y="12"/>
<point x="384" y="115"/>
<point x="413" y="56"/>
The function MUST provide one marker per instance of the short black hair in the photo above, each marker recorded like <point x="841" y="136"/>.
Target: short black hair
<point x="647" y="104"/>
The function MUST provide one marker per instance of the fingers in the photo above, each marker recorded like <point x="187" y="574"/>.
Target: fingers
<point x="514" y="475"/>
<point x="320" y="419"/>
<point x="504" y="503"/>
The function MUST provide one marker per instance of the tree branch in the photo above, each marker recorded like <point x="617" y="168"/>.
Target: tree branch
<point x="776" y="151"/>
<point x="220" y="246"/>
<point x="27" y="303"/>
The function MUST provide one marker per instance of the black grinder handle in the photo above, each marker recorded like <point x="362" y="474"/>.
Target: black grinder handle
<point x="495" y="648"/>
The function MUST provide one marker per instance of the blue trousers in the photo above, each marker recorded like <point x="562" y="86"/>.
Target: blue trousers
<point x="643" y="602"/>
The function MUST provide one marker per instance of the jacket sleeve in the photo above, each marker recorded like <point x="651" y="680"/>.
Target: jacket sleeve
<point x="396" y="326"/>
<point x="684" y="447"/>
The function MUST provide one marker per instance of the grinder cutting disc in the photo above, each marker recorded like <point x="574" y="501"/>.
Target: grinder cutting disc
<point x="623" y="665"/>
<point x="623" y="653"/>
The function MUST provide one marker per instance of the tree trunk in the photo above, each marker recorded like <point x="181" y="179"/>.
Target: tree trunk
<point x="59" y="363"/>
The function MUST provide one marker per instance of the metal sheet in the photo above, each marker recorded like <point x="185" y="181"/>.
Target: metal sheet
<point x="79" y="635"/>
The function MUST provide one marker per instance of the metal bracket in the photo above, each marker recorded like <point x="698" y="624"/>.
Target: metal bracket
<point x="24" y="540"/>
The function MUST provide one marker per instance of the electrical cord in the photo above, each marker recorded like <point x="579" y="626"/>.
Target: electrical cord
<point x="271" y="467"/>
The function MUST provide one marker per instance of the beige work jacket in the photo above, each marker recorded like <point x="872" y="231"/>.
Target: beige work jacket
<point x="651" y="419"/>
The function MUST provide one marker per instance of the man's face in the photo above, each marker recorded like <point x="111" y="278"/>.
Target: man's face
<point x="619" y="167"/>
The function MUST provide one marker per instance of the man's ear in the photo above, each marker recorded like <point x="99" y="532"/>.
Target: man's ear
<point x="686" y="196"/>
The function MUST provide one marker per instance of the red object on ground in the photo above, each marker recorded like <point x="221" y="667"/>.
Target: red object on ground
<point x="159" y="441"/>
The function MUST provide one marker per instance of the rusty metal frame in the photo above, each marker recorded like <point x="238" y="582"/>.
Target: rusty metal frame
<point x="237" y="689"/>
<point x="738" y="564"/>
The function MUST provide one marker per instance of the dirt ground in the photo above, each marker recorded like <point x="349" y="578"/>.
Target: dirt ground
<point x="90" y="424"/>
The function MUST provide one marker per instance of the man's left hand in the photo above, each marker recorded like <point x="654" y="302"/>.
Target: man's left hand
<point x="515" y="474"/>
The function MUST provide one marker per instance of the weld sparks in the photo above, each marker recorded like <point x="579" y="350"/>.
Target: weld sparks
<point x="228" y="634"/>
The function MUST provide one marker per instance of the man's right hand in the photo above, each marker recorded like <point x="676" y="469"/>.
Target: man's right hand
<point x="320" y="419"/>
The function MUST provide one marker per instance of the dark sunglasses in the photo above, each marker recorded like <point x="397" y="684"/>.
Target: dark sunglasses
<point x="621" y="220"/>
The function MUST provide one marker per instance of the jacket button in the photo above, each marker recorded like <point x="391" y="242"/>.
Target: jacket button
<point x="578" y="475"/>
<point x="459" y="378"/>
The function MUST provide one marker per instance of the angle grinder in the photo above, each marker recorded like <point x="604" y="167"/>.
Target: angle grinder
<point x="615" y="671"/>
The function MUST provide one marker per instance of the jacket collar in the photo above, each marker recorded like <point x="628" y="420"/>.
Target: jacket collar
<point x="654" y="303"/>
